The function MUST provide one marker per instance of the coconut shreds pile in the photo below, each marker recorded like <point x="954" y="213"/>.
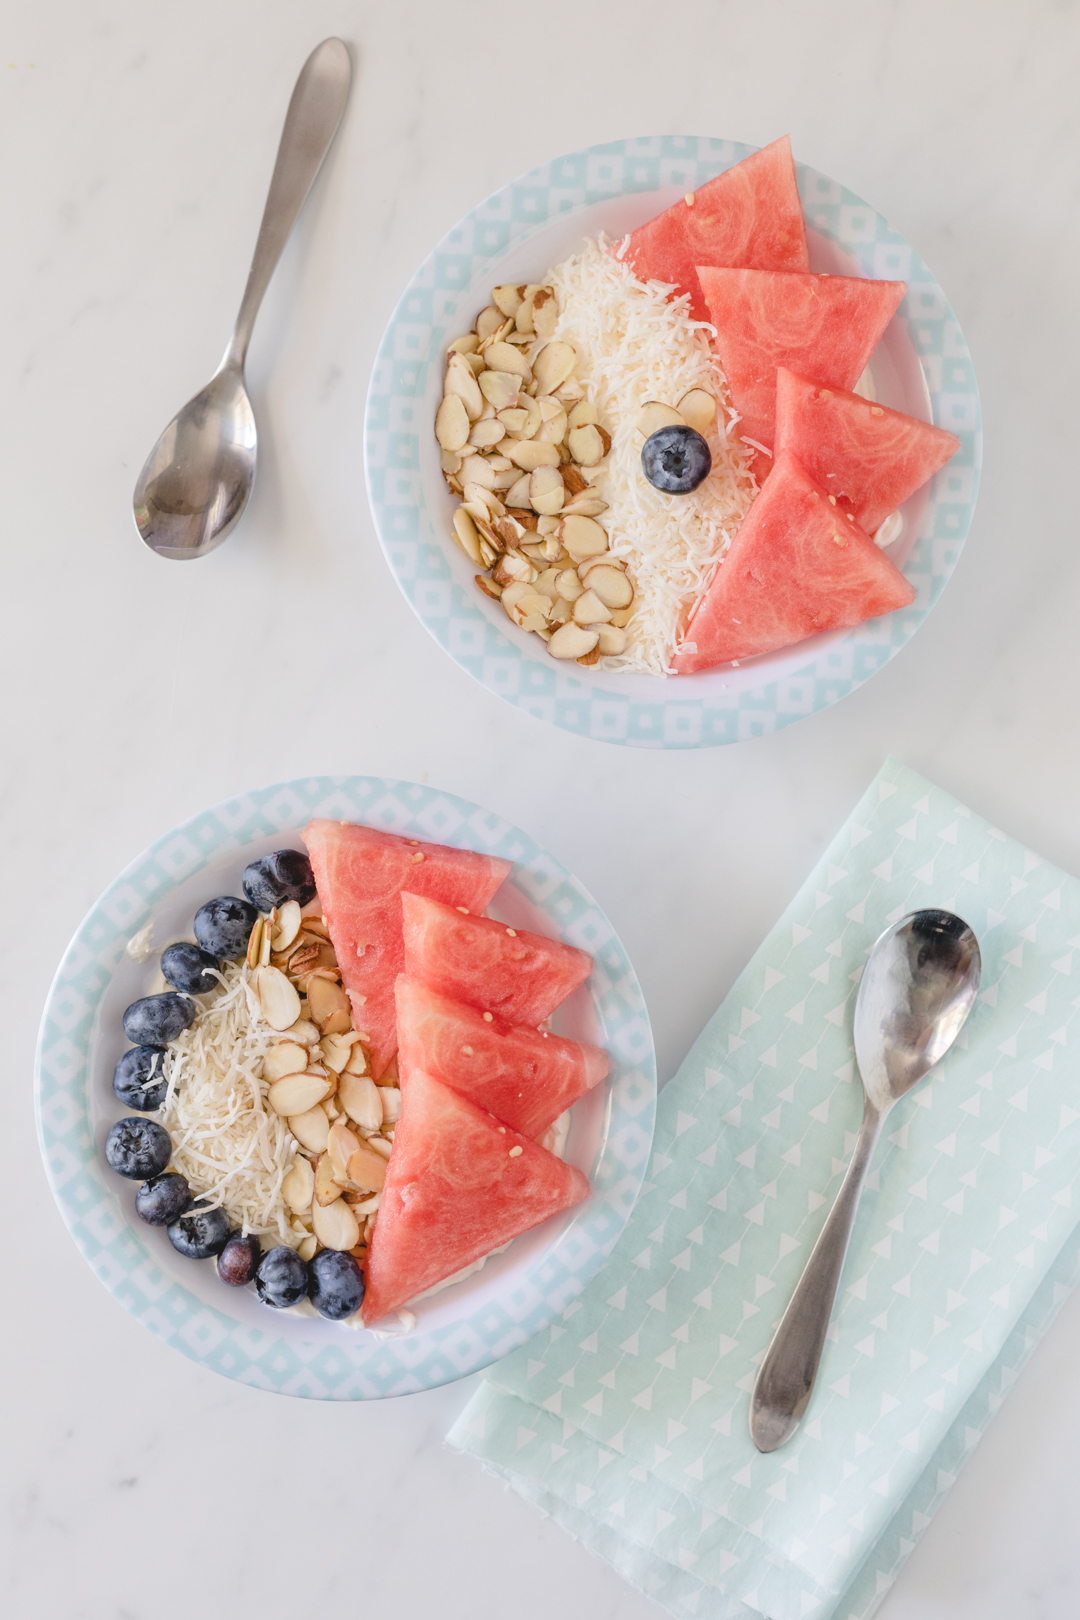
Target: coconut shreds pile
<point x="636" y="344"/>
<point x="229" y="1144"/>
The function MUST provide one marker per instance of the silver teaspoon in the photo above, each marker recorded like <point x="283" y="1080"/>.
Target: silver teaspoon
<point x="198" y="477"/>
<point x="916" y="991"/>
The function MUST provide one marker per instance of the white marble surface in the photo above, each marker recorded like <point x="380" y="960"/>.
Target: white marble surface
<point x="137" y="140"/>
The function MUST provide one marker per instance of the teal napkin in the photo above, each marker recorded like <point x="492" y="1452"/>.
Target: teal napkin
<point x="627" y="1419"/>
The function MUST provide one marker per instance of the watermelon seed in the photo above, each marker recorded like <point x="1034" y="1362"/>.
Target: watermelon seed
<point x="419" y="856"/>
<point x="689" y="199"/>
<point x="487" y="1018"/>
<point x="515" y="1152"/>
<point x="512" y="932"/>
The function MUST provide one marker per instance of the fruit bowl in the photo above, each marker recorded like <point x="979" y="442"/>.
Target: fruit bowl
<point x="469" y="1324"/>
<point x="921" y="367"/>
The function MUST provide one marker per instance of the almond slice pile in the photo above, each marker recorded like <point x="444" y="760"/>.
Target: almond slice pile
<point x="318" y="1079"/>
<point x="518" y="437"/>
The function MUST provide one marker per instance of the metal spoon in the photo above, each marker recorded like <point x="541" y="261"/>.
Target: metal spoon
<point x="915" y="993"/>
<point x="198" y="477"/>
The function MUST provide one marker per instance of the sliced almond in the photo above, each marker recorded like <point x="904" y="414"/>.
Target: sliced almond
<point x="391" y="1104"/>
<point x="326" y="1188"/>
<point x="585" y="445"/>
<point x="570" y="391"/>
<point x="336" y="1050"/>
<point x="475" y="470"/>
<point x="379" y="1144"/>
<point x="582" y="536"/>
<point x="357" y="1063"/>
<point x="546" y="489"/>
<point x="548" y="526"/>
<point x="610" y="584"/>
<point x="465" y="534"/>
<point x="304" y="1032"/>
<point x="501" y="389"/>
<point x="341" y="1144"/>
<point x="451" y="423"/>
<point x="572" y="641"/>
<point x="590" y="658"/>
<point x="328" y="1005"/>
<point x="553" y="365"/>
<point x="523" y="318"/>
<point x="529" y="611"/>
<point x="298" y="1187"/>
<point x="612" y="641"/>
<point x="278" y="1000"/>
<point x="518" y="493"/>
<point x="569" y="586"/>
<point x="315" y="924"/>
<point x="288" y="1057"/>
<point x="461" y="383"/>
<point x="485" y="435"/>
<point x="698" y="410"/>
<point x="513" y="566"/>
<point x="298" y="1093"/>
<point x="506" y="357"/>
<point x="286" y="926"/>
<point x="514" y="418"/>
<point x="512" y="594"/>
<point x="545" y="312"/>
<point x="588" y="505"/>
<point x="336" y="1227"/>
<point x="477" y="494"/>
<point x="622" y="616"/>
<point x="311" y="1129"/>
<point x="308" y="1247"/>
<point x="528" y="454"/>
<point x="507" y="298"/>
<point x="553" y="429"/>
<point x="654" y="415"/>
<point x="367" y="1169"/>
<point x="588" y="609"/>
<point x="475" y="363"/>
<point x="359" y="1097"/>
<point x="255" y="944"/>
<point x="449" y="462"/>
<point x="488" y="587"/>
<point x="547" y="584"/>
<point x="464" y="345"/>
<point x="533" y="418"/>
<point x="488" y="322"/>
<point x="583" y="414"/>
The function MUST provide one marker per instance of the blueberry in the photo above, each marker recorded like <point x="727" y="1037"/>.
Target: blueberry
<point x="138" y="1080"/>
<point x="676" y="459"/>
<point x="223" y="926"/>
<point x="200" y="1232"/>
<point x="185" y="967"/>
<point x="335" y="1284"/>
<point x="281" y="1278"/>
<point x="284" y="875"/>
<point x="237" y="1261"/>
<point x="161" y="1201"/>
<point x="138" y="1148"/>
<point x="156" y="1020"/>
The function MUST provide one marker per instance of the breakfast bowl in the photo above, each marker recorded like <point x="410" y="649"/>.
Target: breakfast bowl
<point x="921" y="366"/>
<point x="468" y="1324"/>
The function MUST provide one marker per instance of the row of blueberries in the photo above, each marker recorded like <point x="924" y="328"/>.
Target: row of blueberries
<point x="222" y="928"/>
<point x="140" y="1149"/>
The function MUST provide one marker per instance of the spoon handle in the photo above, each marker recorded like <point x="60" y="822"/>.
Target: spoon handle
<point x="311" y="122"/>
<point x="786" y="1377"/>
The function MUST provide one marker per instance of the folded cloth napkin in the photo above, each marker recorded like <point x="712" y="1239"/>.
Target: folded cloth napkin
<point x="627" y="1420"/>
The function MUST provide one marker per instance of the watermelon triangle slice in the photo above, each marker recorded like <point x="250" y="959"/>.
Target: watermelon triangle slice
<point x="499" y="969"/>
<point x="797" y="566"/>
<point x="458" y="1185"/>
<point x="360" y="874"/>
<point x="870" y="457"/>
<point x="820" y="326"/>
<point x="522" y="1077"/>
<point x="749" y="217"/>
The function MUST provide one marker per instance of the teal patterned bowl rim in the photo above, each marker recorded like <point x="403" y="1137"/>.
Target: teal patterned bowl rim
<point x="614" y="187"/>
<point x="182" y="1301"/>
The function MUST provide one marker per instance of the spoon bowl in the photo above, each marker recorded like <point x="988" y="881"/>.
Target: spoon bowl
<point x="197" y="479"/>
<point x="916" y="990"/>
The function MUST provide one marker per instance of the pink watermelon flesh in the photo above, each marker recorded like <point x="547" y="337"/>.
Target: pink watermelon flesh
<point x="523" y="976"/>
<point x="522" y="1077"/>
<point x="797" y="566"/>
<point x="870" y="457"/>
<point x="749" y="218"/>
<point x="820" y="326"/>
<point x="360" y="874"/>
<point x="454" y="1192"/>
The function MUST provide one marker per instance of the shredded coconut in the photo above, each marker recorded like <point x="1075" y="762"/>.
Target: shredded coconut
<point x="233" y="1149"/>
<point x="636" y="344"/>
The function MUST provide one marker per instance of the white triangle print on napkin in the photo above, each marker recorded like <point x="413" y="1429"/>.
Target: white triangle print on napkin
<point x="964" y="1247"/>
